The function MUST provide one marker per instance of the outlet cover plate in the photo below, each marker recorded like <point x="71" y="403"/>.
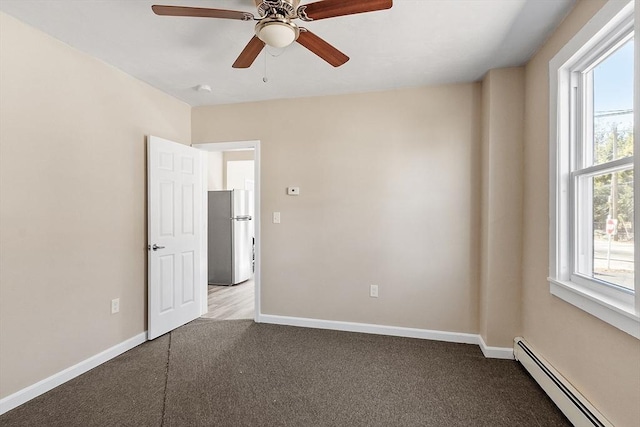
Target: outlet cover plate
<point x="115" y="305"/>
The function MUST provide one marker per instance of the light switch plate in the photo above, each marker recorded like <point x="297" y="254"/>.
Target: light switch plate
<point x="373" y="291"/>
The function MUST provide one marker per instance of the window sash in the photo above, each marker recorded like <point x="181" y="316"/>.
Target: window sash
<point x="613" y="166"/>
<point x="581" y="248"/>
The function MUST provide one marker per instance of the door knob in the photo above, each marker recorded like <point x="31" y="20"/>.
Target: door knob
<point x="156" y="247"/>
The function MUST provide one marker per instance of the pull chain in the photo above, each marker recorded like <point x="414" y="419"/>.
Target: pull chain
<point x="265" y="79"/>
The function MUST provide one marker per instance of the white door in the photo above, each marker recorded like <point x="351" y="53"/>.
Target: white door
<point x="175" y="191"/>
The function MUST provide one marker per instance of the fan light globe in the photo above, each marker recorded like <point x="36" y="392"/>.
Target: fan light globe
<point x="277" y="34"/>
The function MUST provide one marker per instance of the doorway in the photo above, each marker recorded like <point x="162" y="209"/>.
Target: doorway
<point x="234" y="166"/>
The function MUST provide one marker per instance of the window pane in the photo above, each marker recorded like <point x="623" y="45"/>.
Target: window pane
<point x="609" y="254"/>
<point x="613" y="106"/>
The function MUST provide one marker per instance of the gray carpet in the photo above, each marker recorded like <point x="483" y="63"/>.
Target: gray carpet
<point x="238" y="373"/>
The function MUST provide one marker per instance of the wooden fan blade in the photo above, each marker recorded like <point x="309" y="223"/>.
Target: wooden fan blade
<point x="201" y="12"/>
<point x="321" y="48"/>
<point x="332" y="8"/>
<point x="250" y="53"/>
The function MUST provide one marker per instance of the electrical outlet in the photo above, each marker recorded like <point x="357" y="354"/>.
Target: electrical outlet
<point x="276" y="217"/>
<point x="115" y="305"/>
<point x="373" y="291"/>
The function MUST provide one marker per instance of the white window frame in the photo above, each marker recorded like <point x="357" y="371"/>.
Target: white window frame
<point x="615" y="306"/>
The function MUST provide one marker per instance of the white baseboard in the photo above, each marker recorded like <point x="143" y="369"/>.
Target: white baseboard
<point x="570" y="401"/>
<point x="396" y="331"/>
<point x="18" y="398"/>
<point x="28" y="393"/>
<point x="495" y="352"/>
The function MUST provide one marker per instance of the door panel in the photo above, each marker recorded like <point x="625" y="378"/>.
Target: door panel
<point x="188" y="206"/>
<point x="187" y="165"/>
<point x="166" y="209"/>
<point x="167" y="267"/>
<point x="188" y="277"/>
<point x="175" y="213"/>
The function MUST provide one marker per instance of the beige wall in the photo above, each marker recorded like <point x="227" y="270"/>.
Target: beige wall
<point x="600" y="360"/>
<point x="389" y="196"/>
<point x="72" y="202"/>
<point x="238" y="155"/>
<point x="215" y="166"/>
<point x="501" y="256"/>
<point x="234" y="156"/>
<point x="239" y="174"/>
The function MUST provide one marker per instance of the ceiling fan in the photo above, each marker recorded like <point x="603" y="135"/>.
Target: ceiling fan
<point x="275" y="26"/>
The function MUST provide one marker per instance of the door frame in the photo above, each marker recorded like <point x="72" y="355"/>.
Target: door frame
<point x="231" y="146"/>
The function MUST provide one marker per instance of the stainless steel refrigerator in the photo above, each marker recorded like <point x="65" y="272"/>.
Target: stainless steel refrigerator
<point x="229" y="237"/>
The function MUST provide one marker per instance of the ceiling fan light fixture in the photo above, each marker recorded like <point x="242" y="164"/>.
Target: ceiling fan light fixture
<point x="277" y="33"/>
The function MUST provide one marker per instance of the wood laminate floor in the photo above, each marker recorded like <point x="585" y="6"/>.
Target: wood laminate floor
<point x="231" y="302"/>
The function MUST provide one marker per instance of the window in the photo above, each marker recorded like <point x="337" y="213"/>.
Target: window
<point x="593" y="195"/>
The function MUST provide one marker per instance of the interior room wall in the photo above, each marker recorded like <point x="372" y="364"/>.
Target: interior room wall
<point x="502" y="163"/>
<point x="389" y="196"/>
<point x="235" y="156"/>
<point x="215" y="180"/>
<point x="72" y="202"/>
<point x="598" y="359"/>
<point x="238" y="173"/>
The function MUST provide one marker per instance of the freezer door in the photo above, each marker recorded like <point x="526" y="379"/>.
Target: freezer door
<point x="220" y="238"/>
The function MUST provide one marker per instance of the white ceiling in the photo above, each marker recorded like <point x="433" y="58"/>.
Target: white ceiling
<point x="417" y="42"/>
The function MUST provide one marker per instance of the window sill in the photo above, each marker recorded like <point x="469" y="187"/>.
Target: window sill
<point x="622" y="316"/>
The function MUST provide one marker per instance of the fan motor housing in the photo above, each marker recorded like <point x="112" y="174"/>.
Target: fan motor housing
<point x="283" y="7"/>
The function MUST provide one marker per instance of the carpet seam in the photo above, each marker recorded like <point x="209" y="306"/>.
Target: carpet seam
<point x="166" y="380"/>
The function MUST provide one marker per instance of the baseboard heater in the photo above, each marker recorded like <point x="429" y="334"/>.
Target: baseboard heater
<point x="573" y="404"/>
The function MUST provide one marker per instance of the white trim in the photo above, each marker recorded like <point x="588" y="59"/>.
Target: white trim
<point x="636" y="153"/>
<point x="495" y="352"/>
<point x="235" y="146"/>
<point x="598" y="305"/>
<point x="546" y="376"/>
<point x="395" y="331"/>
<point x="368" y="328"/>
<point x="18" y="398"/>
<point x="602" y="23"/>
<point x="204" y="241"/>
<point x="227" y="146"/>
